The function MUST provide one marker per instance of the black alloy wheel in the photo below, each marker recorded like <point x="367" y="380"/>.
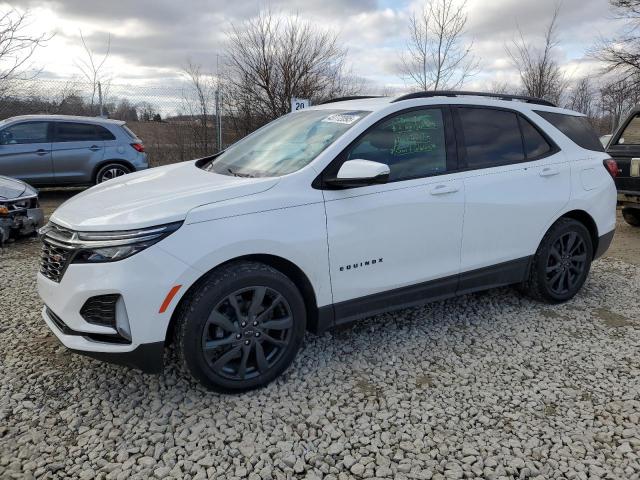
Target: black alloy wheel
<point x="566" y="263"/>
<point x="561" y="264"/>
<point x="247" y="333"/>
<point x="241" y="327"/>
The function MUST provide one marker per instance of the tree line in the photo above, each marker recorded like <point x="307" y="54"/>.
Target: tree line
<point x="272" y="57"/>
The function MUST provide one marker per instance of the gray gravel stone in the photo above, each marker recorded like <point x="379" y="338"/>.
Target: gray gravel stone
<point x="490" y="385"/>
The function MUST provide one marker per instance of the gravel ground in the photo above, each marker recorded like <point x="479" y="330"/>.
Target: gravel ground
<point x="489" y="385"/>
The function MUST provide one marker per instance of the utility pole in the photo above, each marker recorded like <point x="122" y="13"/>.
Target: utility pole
<point x="218" y="106"/>
<point x="100" y="99"/>
<point x="218" y="119"/>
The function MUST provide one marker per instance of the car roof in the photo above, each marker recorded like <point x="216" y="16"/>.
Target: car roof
<point x="64" y="118"/>
<point x="378" y="103"/>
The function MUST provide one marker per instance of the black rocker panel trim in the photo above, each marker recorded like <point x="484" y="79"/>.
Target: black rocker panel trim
<point x="506" y="273"/>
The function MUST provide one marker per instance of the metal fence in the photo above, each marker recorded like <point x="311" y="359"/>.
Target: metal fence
<point x="173" y="122"/>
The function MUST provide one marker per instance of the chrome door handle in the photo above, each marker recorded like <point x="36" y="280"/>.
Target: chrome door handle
<point x="41" y="151"/>
<point x="94" y="148"/>
<point x="549" y="172"/>
<point x="442" y="189"/>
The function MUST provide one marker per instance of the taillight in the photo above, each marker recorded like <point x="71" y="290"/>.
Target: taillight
<point x="138" y="146"/>
<point x="612" y="167"/>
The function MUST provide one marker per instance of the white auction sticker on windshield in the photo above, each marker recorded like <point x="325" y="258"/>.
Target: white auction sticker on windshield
<point x="344" y="118"/>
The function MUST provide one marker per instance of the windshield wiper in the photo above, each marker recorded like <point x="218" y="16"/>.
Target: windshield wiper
<point x="236" y="174"/>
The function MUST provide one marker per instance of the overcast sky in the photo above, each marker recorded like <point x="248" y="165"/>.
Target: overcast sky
<point x="153" y="39"/>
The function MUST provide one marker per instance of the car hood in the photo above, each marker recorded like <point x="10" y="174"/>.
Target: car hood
<point x="12" y="189"/>
<point x="152" y="197"/>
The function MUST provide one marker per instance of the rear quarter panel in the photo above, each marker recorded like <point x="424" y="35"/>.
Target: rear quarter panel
<point x="594" y="191"/>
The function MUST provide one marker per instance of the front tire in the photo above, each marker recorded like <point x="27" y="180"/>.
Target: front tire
<point x="631" y="216"/>
<point x="561" y="263"/>
<point x="241" y="328"/>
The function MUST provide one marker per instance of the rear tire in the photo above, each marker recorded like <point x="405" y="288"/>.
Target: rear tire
<point x="241" y="328"/>
<point x="110" y="171"/>
<point x="561" y="264"/>
<point x="631" y="216"/>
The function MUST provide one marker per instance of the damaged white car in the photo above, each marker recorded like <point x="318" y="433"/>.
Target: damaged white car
<point x="20" y="212"/>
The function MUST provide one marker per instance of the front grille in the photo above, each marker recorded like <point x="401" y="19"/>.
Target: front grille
<point x="55" y="256"/>
<point x="54" y="260"/>
<point x="100" y="310"/>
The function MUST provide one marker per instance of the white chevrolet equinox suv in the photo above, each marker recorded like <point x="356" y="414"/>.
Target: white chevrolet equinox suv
<point x="321" y="217"/>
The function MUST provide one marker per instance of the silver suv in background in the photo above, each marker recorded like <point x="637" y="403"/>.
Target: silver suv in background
<point x="65" y="150"/>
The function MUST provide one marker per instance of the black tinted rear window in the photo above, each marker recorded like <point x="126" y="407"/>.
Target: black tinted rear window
<point x="76" y="132"/>
<point x="104" y="134"/>
<point x="535" y="144"/>
<point x="491" y="137"/>
<point x="576" y="128"/>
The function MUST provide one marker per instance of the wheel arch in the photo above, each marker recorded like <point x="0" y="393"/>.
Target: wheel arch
<point x="286" y="267"/>
<point x="587" y="220"/>
<point x="102" y="163"/>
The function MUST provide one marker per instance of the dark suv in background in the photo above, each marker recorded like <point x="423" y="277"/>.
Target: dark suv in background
<point x="49" y="150"/>
<point x="624" y="148"/>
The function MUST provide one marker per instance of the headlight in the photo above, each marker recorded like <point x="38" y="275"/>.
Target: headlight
<point x="100" y="247"/>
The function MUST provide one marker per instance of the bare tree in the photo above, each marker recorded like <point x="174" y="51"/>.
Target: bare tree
<point x="502" y="87"/>
<point x="617" y="97"/>
<point x="198" y="100"/>
<point x="271" y="58"/>
<point x="621" y="54"/>
<point x="437" y="56"/>
<point x="583" y="97"/>
<point x="16" y="45"/>
<point x="539" y="70"/>
<point x="92" y="69"/>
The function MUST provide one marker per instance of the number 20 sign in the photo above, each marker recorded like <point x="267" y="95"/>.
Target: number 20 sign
<point x="299" y="104"/>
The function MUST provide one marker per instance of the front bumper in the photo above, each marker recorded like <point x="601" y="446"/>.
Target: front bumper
<point x="147" y="357"/>
<point x="23" y="222"/>
<point x="141" y="282"/>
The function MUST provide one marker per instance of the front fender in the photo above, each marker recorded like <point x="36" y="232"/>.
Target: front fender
<point x="296" y="234"/>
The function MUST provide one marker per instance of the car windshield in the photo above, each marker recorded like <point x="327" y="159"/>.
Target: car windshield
<point x="286" y="144"/>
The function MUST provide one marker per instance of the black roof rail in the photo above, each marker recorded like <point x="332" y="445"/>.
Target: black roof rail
<point x="453" y="93"/>
<point x="352" y="97"/>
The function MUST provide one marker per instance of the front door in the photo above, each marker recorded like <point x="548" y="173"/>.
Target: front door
<point x="398" y="243"/>
<point x="25" y="152"/>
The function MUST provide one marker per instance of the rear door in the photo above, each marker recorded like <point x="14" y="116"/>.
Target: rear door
<point x="77" y="149"/>
<point x="624" y="148"/>
<point x="517" y="181"/>
<point x="25" y="152"/>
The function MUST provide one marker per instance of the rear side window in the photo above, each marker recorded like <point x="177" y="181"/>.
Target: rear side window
<point x="491" y="137"/>
<point x="30" y="132"/>
<point x="104" y="134"/>
<point x="535" y="145"/>
<point x="631" y="134"/>
<point x="76" y="132"/>
<point x="576" y="128"/>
